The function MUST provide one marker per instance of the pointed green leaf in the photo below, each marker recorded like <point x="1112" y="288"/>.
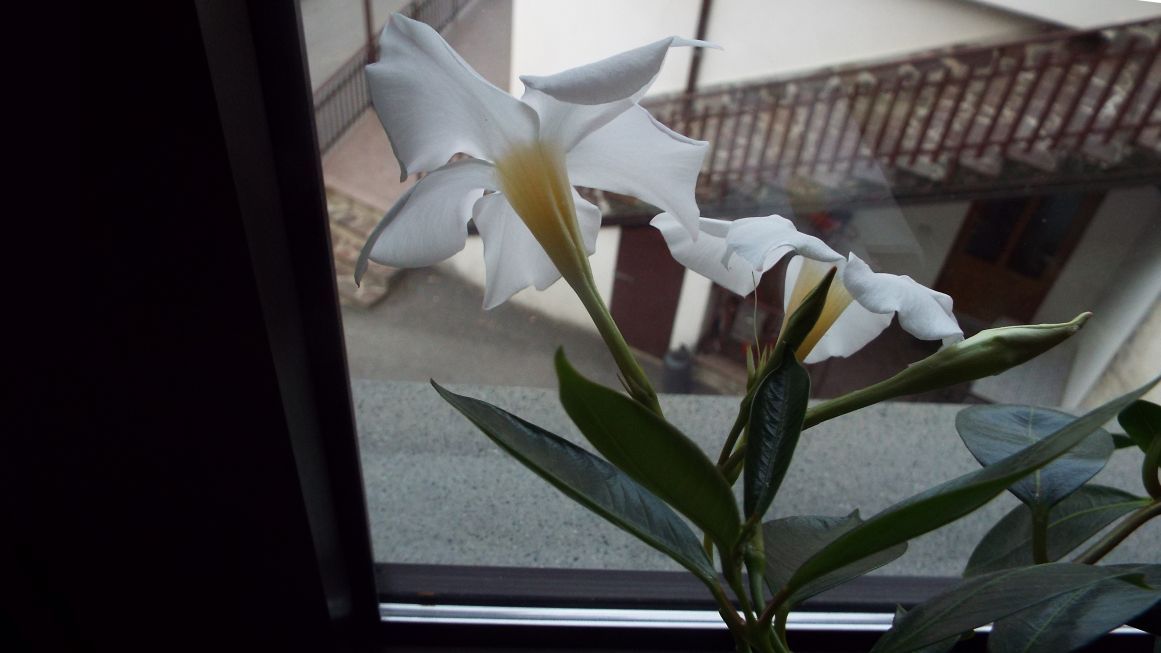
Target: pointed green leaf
<point x="652" y="451"/>
<point x="791" y="541"/>
<point x="1122" y="441"/>
<point x="938" y="647"/>
<point x="776" y="412"/>
<point x="993" y="433"/>
<point x="981" y="600"/>
<point x="949" y="501"/>
<point x="803" y="318"/>
<point x="1142" y="422"/>
<point x="1070" y="523"/>
<point x="590" y="481"/>
<point x="1073" y="620"/>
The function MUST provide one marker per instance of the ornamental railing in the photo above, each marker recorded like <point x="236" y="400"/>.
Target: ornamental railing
<point x="340" y="100"/>
<point x="1061" y="108"/>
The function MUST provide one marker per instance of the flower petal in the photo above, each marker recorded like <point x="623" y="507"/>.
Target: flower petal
<point x="429" y="223"/>
<point x="923" y="312"/>
<point x="622" y="76"/>
<point x="589" y="218"/>
<point x="708" y="254"/>
<point x="513" y="259"/>
<point x="564" y="123"/>
<point x="854" y="328"/>
<point x="636" y="155"/>
<point x="764" y="241"/>
<point x="433" y="105"/>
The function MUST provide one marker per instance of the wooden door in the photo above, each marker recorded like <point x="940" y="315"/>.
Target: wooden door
<point x="646" y="288"/>
<point x="1009" y="252"/>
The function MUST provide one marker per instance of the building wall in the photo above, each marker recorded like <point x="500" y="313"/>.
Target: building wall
<point x="1122" y="219"/>
<point x="549" y="36"/>
<point x="1081" y="14"/>
<point x="1127" y="294"/>
<point x="912" y="239"/>
<point x="558" y="301"/>
<point x="763" y="38"/>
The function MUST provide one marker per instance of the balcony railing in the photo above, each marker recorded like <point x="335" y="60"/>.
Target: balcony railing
<point x="344" y="97"/>
<point x="1062" y="108"/>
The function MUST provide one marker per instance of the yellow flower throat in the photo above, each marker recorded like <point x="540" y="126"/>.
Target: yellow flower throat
<point x="535" y="181"/>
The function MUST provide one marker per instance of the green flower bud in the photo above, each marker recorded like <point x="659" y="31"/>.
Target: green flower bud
<point x="987" y="353"/>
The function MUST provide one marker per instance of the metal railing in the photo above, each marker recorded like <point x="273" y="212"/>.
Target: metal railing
<point x="952" y="118"/>
<point x="344" y="97"/>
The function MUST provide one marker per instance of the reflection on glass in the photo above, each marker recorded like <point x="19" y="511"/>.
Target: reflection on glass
<point x="998" y="157"/>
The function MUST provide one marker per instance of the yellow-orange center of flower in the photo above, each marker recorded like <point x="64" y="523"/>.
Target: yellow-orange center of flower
<point x="837" y="300"/>
<point x="535" y="181"/>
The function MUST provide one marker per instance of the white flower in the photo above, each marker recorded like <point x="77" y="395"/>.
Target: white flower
<point x="582" y="126"/>
<point x="859" y="305"/>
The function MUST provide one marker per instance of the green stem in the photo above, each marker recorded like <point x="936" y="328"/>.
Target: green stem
<point x="1039" y="535"/>
<point x="1118" y="534"/>
<point x="1151" y="468"/>
<point x="635" y="379"/>
<point x="780" y="628"/>
<point x="852" y="401"/>
<point x="735" y="431"/>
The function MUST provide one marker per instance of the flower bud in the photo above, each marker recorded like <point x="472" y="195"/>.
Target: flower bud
<point x="987" y="353"/>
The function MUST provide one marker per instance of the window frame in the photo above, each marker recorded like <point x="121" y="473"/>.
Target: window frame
<point x="268" y="146"/>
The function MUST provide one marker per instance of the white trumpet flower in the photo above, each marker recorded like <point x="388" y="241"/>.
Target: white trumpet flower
<point x="859" y="305"/>
<point x="582" y="126"/>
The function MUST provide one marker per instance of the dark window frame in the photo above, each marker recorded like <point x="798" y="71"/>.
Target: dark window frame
<point x="259" y="447"/>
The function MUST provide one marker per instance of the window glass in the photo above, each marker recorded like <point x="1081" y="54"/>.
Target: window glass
<point x="1006" y="156"/>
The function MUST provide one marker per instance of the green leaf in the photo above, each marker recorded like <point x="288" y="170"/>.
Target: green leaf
<point x="590" y="481"/>
<point x="1142" y="422"/>
<point x="1073" y="620"/>
<point x="939" y="647"/>
<point x="984" y="599"/>
<point x="1122" y="441"/>
<point x="652" y="451"/>
<point x="790" y="541"/>
<point x="1070" y="523"/>
<point x="804" y="317"/>
<point x="993" y="433"/>
<point x="949" y="501"/>
<point x="776" y="413"/>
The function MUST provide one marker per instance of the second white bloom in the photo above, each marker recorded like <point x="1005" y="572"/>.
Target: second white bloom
<point x="860" y="305"/>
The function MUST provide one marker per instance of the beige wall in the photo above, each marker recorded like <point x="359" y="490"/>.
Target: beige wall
<point x="549" y="36"/>
<point x="1127" y="295"/>
<point x="1082" y="14"/>
<point x="1122" y="219"/>
<point x="912" y="239"/>
<point x="774" y="37"/>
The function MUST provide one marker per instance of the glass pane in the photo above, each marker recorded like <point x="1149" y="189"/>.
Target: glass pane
<point x="1008" y="160"/>
<point x="1039" y="247"/>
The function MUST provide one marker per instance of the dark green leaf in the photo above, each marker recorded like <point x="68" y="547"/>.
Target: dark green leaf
<point x="776" y="412"/>
<point x="1122" y="441"/>
<point x="993" y="433"/>
<point x="1070" y="523"/>
<point x="803" y="318"/>
<point x="938" y="647"/>
<point x="791" y="541"/>
<point x="949" y="501"/>
<point x="652" y="451"/>
<point x="590" y="481"/>
<point x="984" y="599"/>
<point x="1142" y="422"/>
<point x="1073" y="620"/>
